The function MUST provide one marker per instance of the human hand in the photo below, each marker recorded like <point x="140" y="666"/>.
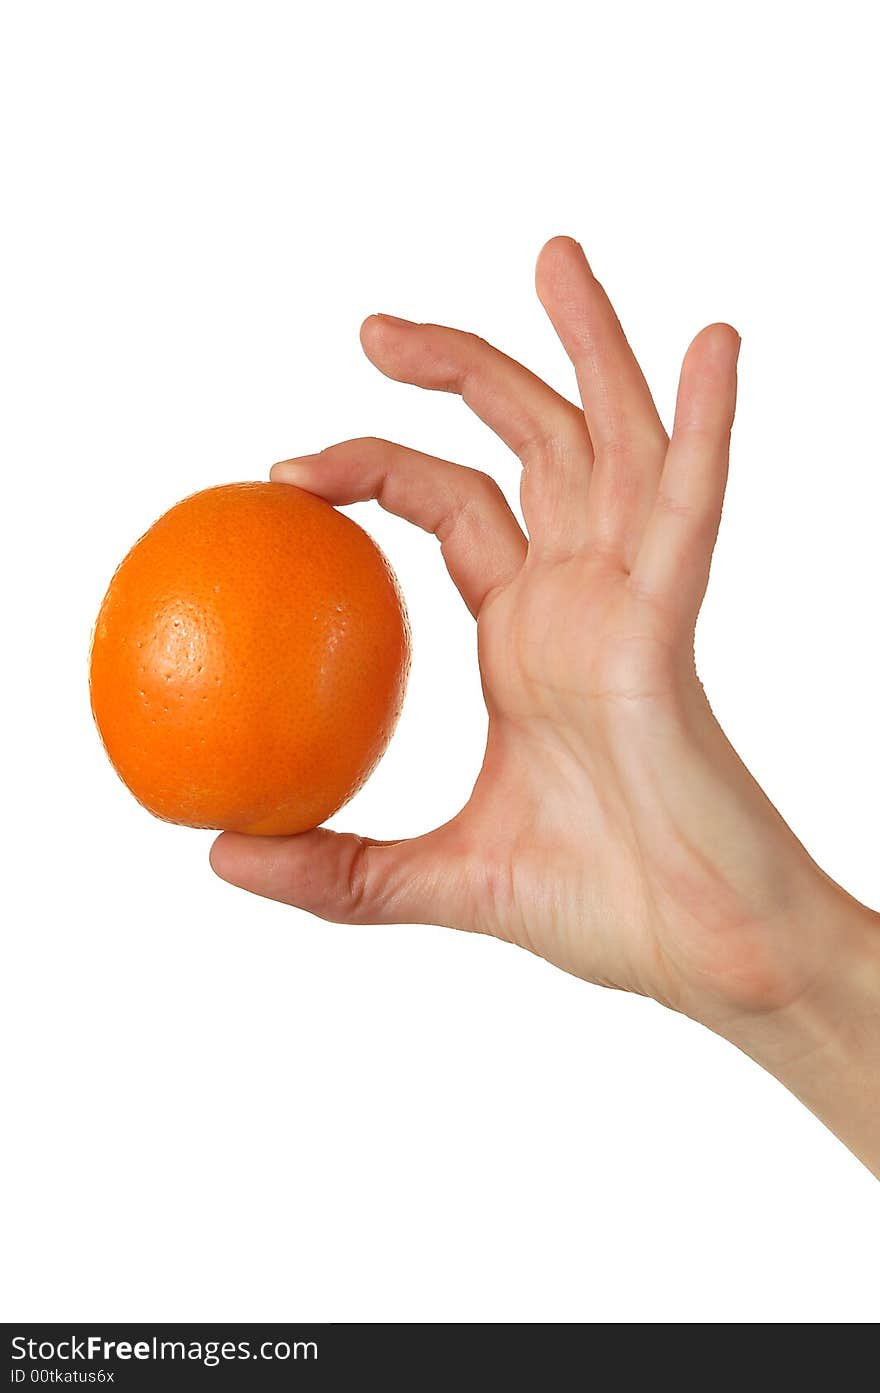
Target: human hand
<point x="613" y="829"/>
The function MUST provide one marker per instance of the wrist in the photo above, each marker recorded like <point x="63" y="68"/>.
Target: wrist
<point x="824" y="1045"/>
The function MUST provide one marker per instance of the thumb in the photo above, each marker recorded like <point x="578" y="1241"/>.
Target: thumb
<point x="338" y="876"/>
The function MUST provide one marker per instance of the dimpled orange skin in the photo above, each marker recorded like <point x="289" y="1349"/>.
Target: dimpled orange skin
<point x="249" y="661"/>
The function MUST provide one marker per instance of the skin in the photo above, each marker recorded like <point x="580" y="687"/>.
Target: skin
<point x="613" y="829"/>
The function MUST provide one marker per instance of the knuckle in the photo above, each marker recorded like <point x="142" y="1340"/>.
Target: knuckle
<point x="544" y="449"/>
<point x="476" y="343"/>
<point x="620" y="444"/>
<point x="671" y="506"/>
<point x="370" y="447"/>
<point x="483" y="487"/>
<point x="614" y="448"/>
<point x="375" y="444"/>
<point x="357" y="881"/>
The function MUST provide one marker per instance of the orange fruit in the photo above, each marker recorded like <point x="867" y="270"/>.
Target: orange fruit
<point x="249" y="660"/>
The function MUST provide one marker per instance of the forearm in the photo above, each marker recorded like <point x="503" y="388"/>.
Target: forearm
<point x="825" y="1047"/>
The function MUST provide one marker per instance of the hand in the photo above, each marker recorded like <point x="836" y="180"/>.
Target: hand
<point x="612" y="830"/>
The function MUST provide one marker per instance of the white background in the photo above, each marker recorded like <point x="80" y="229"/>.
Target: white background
<point x="221" y="1108"/>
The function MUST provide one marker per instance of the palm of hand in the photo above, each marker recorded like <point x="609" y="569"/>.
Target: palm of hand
<point x="595" y="832"/>
<point x="612" y="828"/>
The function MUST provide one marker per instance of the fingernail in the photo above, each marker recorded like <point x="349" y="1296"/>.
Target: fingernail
<point x="395" y="319"/>
<point x="291" y="468"/>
